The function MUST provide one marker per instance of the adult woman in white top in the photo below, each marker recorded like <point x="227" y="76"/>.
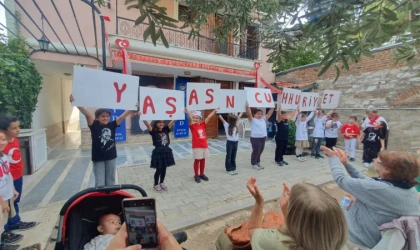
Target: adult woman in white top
<point x="258" y="134"/>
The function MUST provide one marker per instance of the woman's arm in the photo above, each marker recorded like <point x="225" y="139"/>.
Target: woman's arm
<point x="221" y="119"/>
<point x="248" y="110"/>
<point x="342" y="156"/>
<point x="269" y="114"/>
<point x="171" y="124"/>
<point x="149" y="127"/>
<point x="210" y="116"/>
<point x="85" y="112"/>
<point x="255" y="221"/>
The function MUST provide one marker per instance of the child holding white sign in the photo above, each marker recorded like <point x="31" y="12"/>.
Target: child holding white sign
<point x="258" y="134"/>
<point x="199" y="142"/>
<point x="104" y="152"/>
<point x="282" y="135"/>
<point x="231" y="129"/>
<point x="162" y="156"/>
<point x="302" y="134"/>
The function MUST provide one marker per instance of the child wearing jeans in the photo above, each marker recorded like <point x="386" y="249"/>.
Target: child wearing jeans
<point x="373" y="139"/>
<point x="231" y="129"/>
<point x="258" y="134"/>
<point x="351" y="131"/>
<point x="162" y="156"/>
<point x="199" y="142"/>
<point x="104" y="152"/>
<point x="302" y="134"/>
<point x="332" y="127"/>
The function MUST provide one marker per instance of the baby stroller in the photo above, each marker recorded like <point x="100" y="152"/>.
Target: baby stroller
<point x="79" y="215"/>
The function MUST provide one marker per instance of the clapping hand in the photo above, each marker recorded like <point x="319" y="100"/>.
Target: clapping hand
<point x="253" y="189"/>
<point x="284" y="199"/>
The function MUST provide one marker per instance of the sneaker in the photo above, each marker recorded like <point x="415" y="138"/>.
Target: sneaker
<point x="255" y="167"/>
<point x="316" y="157"/>
<point x="22" y="226"/>
<point x="235" y="172"/>
<point x="9" y="247"/>
<point x="260" y="166"/>
<point x="197" y="179"/>
<point x="365" y="164"/>
<point x="280" y="163"/>
<point x="352" y="159"/>
<point x="300" y="159"/>
<point x="371" y="164"/>
<point x="163" y="187"/>
<point x="303" y="158"/>
<point x="231" y="172"/>
<point x="157" y="188"/>
<point x="204" y="177"/>
<point x="285" y="163"/>
<point x="10" y="238"/>
<point x="320" y="156"/>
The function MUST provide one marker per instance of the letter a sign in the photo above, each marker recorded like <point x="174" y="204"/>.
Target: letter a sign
<point x="102" y="89"/>
<point x="159" y="104"/>
<point x="202" y="96"/>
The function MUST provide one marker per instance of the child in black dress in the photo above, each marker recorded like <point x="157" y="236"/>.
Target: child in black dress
<point x="162" y="156"/>
<point x="373" y="139"/>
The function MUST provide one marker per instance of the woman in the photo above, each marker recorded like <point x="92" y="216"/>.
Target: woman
<point x="313" y="221"/>
<point x="378" y="200"/>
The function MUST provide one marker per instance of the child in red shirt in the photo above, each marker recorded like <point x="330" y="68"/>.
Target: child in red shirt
<point x="351" y="131"/>
<point x="199" y="142"/>
<point x="9" y="125"/>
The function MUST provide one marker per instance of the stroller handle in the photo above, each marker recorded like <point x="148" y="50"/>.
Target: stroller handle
<point x="101" y="189"/>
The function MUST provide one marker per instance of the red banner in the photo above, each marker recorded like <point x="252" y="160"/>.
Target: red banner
<point x="169" y="62"/>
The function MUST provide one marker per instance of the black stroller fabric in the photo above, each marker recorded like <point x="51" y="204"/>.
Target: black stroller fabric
<point x="82" y="219"/>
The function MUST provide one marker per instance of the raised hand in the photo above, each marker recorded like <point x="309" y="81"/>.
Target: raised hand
<point x="71" y="98"/>
<point x="342" y="155"/>
<point x="253" y="189"/>
<point x="284" y="199"/>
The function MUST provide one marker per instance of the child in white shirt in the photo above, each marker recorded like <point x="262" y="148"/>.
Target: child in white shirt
<point x="332" y="127"/>
<point x="319" y="132"/>
<point x="109" y="225"/>
<point x="302" y="134"/>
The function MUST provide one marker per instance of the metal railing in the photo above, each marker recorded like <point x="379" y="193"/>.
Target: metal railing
<point x="178" y="38"/>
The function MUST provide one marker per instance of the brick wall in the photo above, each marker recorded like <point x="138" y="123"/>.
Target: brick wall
<point x="393" y="89"/>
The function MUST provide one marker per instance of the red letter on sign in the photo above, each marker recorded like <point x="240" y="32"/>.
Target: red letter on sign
<point x="119" y="91"/>
<point x="324" y="99"/>
<point x="268" y="97"/>
<point x="209" y="95"/>
<point x="304" y="102"/>
<point x="193" y="95"/>
<point x="297" y="99"/>
<point x="331" y="96"/>
<point x="230" y="102"/>
<point x="173" y="111"/>
<point x="291" y="98"/>
<point x="256" y="97"/>
<point x="284" y="98"/>
<point x="148" y="102"/>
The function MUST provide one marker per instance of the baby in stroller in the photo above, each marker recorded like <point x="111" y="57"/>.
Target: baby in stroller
<point x="108" y="226"/>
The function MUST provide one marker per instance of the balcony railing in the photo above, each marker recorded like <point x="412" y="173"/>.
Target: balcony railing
<point x="180" y="39"/>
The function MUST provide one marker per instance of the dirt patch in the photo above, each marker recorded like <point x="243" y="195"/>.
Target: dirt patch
<point x="204" y="236"/>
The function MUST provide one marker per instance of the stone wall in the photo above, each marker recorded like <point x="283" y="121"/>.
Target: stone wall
<point x="393" y="89"/>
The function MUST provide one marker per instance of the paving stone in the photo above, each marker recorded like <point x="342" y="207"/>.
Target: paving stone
<point x="168" y="212"/>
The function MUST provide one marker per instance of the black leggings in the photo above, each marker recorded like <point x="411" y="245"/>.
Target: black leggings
<point x="330" y="142"/>
<point x="160" y="173"/>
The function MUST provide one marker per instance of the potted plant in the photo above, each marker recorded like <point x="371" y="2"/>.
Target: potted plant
<point x="292" y="139"/>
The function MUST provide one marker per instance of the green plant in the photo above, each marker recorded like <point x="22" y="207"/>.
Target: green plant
<point x="20" y="81"/>
<point x="292" y="134"/>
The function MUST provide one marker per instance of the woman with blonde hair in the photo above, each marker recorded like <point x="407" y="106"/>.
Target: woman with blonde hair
<point x="313" y="221"/>
<point x="378" y="200"/>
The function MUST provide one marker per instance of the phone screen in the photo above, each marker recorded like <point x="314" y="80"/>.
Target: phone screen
<point x="140" y="218"/>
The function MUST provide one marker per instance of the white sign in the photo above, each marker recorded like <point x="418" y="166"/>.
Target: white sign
<point x="161" y="104"/>
<point x="330" y="99"/>
<point x="290" y="99"/>
<point x="102" y="89"/>
<point x="259" y="98"/>
<point x="202" y="96"/>
<point x="308" y="101"/>
<point x="231" y="101"/>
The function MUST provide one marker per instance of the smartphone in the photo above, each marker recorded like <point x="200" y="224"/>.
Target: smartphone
<point x="140" y="218"/>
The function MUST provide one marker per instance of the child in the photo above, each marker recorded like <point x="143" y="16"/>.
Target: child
<point x="104" y="152"/>
<point x="258" y="134"/>
<point x="302" y="134"/>
<point x="282" y="135"/>
<point x="332" y="127"/>
<point x="351" y="131"/>
<point x="162" y="156"/>
<point x="319" y="132"/>
<point x="199" y="142"/>
<point x="7" y="196"/>
<point x="108" y="226"/>
<point x="373" y="139"/>
<point x="231" y="129"/>
<point x="9" y="125"/>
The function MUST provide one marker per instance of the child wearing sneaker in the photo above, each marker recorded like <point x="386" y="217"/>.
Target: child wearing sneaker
<point x="319" y="132"/>
<point x="302" y="134"/>
<point x="351" y="131"/>
<point x="258" y="134"/>
<point x="199" y="142"/>
<point x="9" y="125"/>
<point x="231" y="129"/>
<point x="7" y="196"/>
<point x="373" y="139"/>
<point x="162" y="156"/>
